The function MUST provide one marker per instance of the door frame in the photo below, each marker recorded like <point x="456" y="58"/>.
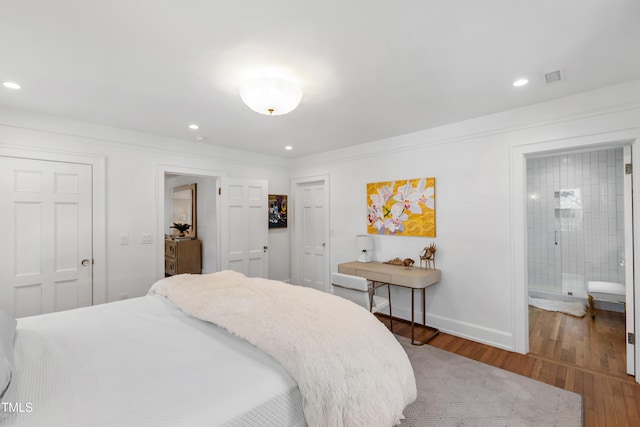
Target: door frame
<point x="627" y="157"/>
<point x="296" y="226"/>
<point x="98" y="207"/>
<point x="519" y="277"/>
<point x="161" y="170"/>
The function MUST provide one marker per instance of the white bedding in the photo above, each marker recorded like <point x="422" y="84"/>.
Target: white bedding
<point x="351" y="371"/>
<point x="161" y="367"/>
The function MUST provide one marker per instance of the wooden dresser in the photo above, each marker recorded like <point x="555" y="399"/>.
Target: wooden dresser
<point x="182" y="256"/>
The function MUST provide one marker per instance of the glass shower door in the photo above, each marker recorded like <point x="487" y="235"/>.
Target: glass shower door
<point x="575" y="221"/>
<point x="569" y="242"/>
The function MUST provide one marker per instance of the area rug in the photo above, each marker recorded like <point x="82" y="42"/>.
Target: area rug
<point x="457" y="391"/>
<point x="577" y="308"/>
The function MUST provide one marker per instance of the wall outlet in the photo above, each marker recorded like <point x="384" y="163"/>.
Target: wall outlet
<point x="147" y="239"/>
<point x="124" y="296"/>
<point x="124" y="239"/>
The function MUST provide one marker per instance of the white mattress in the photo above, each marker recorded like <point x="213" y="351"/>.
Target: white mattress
<point x="143" y="362"/>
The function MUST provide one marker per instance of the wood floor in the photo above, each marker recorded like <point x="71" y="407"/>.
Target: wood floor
<point x="595" y="345"/>
<point x="590" y="368"/>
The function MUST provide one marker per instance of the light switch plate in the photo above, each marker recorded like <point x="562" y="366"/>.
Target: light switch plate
<point x="124" y="239"/>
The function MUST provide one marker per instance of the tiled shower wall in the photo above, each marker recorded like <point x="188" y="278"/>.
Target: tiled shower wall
<point x="577" y="201"/>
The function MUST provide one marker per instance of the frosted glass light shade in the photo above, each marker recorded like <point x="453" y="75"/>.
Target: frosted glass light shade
<point x="365" y="247"/>
<point x="270" y="95"/>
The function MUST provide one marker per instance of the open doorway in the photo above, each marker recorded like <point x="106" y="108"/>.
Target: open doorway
<point x="169" y="176"/>
<point x="577" y="235"/>
<point x="231" y="219"/>
<point x="205" y="227"/>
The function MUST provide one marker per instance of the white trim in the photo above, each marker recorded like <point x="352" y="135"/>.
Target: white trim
<point x="163" y="169"/>
<point x="295" y="183"/>
<point x="99" y="206"/>
<point x="630" y="314"/>
<point x="526" y="118"/>
<point x="470" y="331"/>
<point x="24" y="124"/>
<point x="519" y="153"/>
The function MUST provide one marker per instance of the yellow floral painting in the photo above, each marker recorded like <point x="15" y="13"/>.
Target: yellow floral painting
<point x="402" y="208"/>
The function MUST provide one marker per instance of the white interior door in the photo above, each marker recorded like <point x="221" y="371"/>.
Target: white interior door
<point x="49" y="209"/>
<point x="628" y="253"/>
<point x="310" y="235"/>
<point x="244" y="226"/>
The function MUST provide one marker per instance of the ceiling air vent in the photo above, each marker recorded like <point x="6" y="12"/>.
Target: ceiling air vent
<point x="552" y="76"/>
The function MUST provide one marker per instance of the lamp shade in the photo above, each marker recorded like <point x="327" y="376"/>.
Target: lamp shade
<point x="271" y="95"/>
<point x="365" y="247"/>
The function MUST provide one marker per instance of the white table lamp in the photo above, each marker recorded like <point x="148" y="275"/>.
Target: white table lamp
<point x="365" y="247"/>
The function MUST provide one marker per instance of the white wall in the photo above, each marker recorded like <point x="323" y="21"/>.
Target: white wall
<point x="132" y="160"/>
<point x="480" y="295"/>
<point x="480" y="197"/>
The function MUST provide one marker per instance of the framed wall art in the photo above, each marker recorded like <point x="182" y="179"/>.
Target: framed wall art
<point x="403" y="208"/>
<point x="277" y="211"/>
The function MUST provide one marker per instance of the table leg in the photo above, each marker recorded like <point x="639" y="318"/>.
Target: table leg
<point x="390" y="312"/>
<point x="413" y="341"/>
<point x="424" y="307"/>
<point x="424" y="319"/>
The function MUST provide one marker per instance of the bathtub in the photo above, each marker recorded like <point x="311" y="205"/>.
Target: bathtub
<point x="605" y="291"/>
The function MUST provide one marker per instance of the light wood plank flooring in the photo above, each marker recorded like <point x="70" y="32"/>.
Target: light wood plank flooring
<point x="610" y="399"/>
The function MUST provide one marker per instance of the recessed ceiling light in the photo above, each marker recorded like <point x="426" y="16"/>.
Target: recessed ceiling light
<point x="520" y="82"/>
<point x="194" y="126"/>
<point x="288" y="147"/>
<point x="11" y="85"/>
<point x="200" y="138"/>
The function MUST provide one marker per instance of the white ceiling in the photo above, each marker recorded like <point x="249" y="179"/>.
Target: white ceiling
<point x="370" y="68"/>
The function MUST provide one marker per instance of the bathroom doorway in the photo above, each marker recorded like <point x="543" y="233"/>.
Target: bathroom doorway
<point x="576" y="234"/>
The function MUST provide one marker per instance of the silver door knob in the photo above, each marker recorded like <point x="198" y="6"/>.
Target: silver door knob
<point x="85" y="262"/>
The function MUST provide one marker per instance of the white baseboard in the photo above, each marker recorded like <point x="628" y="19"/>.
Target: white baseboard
<point x="481" y="334"/>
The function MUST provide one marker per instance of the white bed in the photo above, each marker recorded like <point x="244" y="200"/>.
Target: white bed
<point x="145" y="362"/>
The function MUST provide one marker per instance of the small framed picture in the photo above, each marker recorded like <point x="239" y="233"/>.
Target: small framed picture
<point x="277" y="211"/>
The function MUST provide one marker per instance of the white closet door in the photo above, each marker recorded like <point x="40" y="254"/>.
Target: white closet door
<point x="310" y="234"/>
<point x="244" y="226"/>
<point x="46" y="262"/>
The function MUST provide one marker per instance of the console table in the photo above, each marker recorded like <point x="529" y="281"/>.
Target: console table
<point x="397" y="275"/>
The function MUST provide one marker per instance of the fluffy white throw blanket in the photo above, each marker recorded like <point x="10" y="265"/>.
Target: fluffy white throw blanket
<point x="351" y="371"/>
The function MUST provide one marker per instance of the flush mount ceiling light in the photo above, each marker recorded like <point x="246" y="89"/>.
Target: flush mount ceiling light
<point x="272" y="95"/>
